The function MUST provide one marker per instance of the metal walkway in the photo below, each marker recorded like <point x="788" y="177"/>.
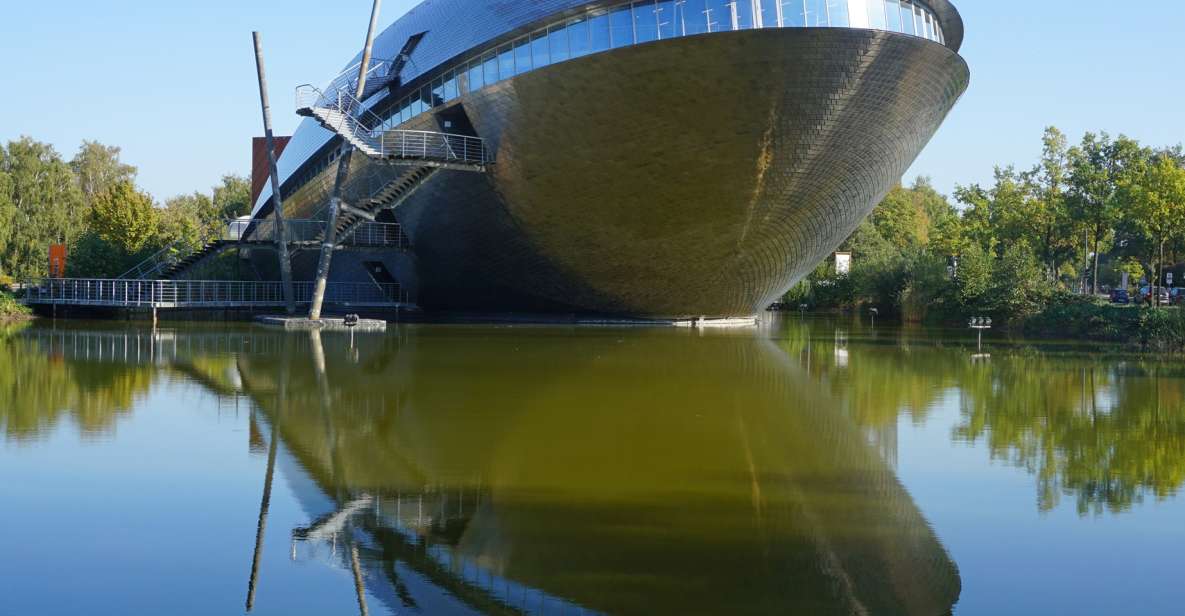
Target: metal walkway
<point x="203" y="294"/>
<point x="346" y="116"/>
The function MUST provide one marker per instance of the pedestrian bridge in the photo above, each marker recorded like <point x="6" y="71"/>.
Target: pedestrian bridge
<point x="203" y="294"/>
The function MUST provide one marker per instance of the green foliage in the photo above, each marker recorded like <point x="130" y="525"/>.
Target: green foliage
<point x="232" y="198"/>
<point x="97" y="169"/>
<point x="10" y="308"/>
<point x="40" y="204"/>
<point x="124" y="217"/>
<point x="1019" y="288"/>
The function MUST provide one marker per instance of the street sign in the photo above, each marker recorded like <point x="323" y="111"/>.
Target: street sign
<point x="1168" y="279"/>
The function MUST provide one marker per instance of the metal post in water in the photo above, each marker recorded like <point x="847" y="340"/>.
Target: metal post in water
<point x="343" y="169"/>
<point x="277" y="200"/>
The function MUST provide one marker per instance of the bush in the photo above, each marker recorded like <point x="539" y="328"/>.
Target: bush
<point x="10" y="308"/>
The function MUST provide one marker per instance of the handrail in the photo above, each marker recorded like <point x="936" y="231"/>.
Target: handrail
<point x="340" y="113"/>
<point x="121" y="293"/>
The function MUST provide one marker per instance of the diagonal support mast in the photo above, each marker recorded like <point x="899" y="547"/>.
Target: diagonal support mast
<point x="278" y="211"/>
<point x="343" y="169"/>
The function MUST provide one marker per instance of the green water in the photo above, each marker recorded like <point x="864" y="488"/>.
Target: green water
<point x="807" y="467"/>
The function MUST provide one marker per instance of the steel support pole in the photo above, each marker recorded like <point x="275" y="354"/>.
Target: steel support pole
<point x="277" y="200"/>
<point x="343" y="169"/>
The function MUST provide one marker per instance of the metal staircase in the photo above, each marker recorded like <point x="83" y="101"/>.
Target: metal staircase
<point x="343" y="114"/>
<point x="358" y="232"/>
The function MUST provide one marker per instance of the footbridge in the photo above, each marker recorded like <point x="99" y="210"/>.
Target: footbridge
<point x="203" y="294"/>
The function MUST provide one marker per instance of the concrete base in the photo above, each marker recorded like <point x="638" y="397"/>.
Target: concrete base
<point x="365" y="326"/>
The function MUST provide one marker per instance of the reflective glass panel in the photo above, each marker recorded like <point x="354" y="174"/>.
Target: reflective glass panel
<point x="744" y="13"/>
<point x="598" y="31"/>
<point x="837" y="13"/>
<point x="426" y="97"/>
<point x="539" y="53"/>
<point x="876" y="14"/>
<point x="719" y="15"/>
<point x="793" y="13"/>
<point x="893" y="15"/>
<point x="769" y="13"/>
<point x="665" y="11"/>
<point x="450" y="86"/>
<point x="438" y="91"/>
<point x="557" y="37"/>
<point x="621" y="26"/>
<point x="489" y="68"/>
<point x="919" y="22"/>
<point x="691" y="17"/>
<point x="816" y="13"/>
<point x="645" y="22"/>
<point x="506" y="62"/>
<point x="475" y="76"/>
<point x="578" y="38"/>
<point x="522" y="56"/>
<point x="907" y="18"/>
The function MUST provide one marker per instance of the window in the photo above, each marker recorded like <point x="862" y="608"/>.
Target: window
<point x="438" y="91"/>
<point x="450" y="86"/>
<point x="665" y="13"/>
<point x="691" y="17"/>
<point x="489" y="68"/>
<point x="522" y="55"/>
<point x="557" y="37"/>
<point x="506" y="62"/>
<point x="539" y="54"/>
<point x="893" y="15"/>
<point x="816" y="13"/>
<point x="719" y="15"/>
<point x="578" y="38"/>
<point x="743" y="11"/>
<point x="769" y="13"/>
<point x="645" y="22"/>
<point x="475" y="76"/>
<point x="837" y="13"/>
<point x="793" y="13"/>
<point x="919" y="21"/>
<point x="621" y="26"/>
<point x="598" y="30"/>
<point x="876" y="14"/>
<point x="907" y="18"/>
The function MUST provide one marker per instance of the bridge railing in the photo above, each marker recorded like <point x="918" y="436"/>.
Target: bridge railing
<point x="120" y="293"/>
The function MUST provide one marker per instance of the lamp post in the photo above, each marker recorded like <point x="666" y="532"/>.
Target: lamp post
<point x="979" y="324"/>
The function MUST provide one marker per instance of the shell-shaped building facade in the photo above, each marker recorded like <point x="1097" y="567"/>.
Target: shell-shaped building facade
<point x="653" y="159"/>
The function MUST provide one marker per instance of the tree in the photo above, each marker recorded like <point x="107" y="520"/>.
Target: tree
<point x="1158" y="198"/>
<point x="1054" y="228"/>
<point x="1097" y="170"/>
<point x="124" y="217"/>
<point x="97" y="168"/>
<point x="232" y="198"/>
<point x="42" y="205"/>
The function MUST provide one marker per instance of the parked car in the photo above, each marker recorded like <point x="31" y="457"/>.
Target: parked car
<point x="1146" y="295"/>
<point x="1176" y="296"/>
<point x="1120" y="296"/>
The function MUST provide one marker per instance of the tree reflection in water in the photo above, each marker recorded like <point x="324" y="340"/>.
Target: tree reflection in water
<point x="1106" y="430"/>
<point x="619" y="470"/>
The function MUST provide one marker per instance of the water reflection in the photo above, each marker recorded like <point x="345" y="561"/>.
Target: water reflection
<point x="553" y="470"/>
<point x="1103" y="429"/>
<point x="608" y="473"/>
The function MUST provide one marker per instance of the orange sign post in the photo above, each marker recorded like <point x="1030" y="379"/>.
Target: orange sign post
<point x="57" y="261"/>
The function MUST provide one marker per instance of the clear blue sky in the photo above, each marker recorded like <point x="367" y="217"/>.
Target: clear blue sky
<point x="173" y="83"/>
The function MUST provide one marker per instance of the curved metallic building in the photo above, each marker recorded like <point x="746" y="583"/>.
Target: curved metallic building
<point x="663" y="159"/>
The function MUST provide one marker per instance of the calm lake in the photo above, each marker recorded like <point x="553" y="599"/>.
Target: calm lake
<point x="803" y="466"/>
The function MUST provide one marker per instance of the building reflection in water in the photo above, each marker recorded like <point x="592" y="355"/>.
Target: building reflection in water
<point x="576" y="471"/>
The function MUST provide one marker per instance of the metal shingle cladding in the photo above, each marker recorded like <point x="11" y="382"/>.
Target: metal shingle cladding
<point x="456" y="27"/>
